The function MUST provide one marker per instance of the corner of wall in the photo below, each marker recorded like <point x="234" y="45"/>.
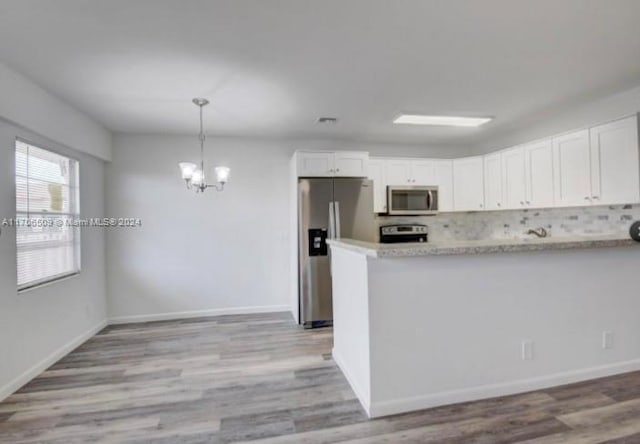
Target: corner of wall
<point x="29" y="106"/>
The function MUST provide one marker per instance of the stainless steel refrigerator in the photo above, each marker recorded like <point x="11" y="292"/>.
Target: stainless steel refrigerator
<point x="328" y="209"/>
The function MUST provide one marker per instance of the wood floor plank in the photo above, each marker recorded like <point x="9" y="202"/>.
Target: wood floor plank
<point x="259" y="378"/>
<point x="6" y="415"/>
<point x="496" y="429"/>
<point x="593" y="434"/>
<point x="602" y="415"/>
<point x="629" y="439"/>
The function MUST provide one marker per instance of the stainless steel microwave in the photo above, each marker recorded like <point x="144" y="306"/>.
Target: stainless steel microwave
<point x="412" y="200"/>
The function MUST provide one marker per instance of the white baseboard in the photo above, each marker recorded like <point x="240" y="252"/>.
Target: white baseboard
<point x="395" y="406"/>
<point x="199" y="314"/>
<point x="54" y="357"/>
<point x="362" y="395"/>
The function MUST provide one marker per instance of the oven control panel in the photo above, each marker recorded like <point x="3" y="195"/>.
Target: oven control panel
<point x="403" y="233"/>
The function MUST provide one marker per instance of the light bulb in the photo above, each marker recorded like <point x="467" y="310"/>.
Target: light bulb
<point x="187" y="169"/>
<point x="222" y="174"/>
<point x="197" y="177"/>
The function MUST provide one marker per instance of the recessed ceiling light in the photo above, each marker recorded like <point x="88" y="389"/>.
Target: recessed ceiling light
<point x="327" y="120"/>
<point x="417" y="119"/>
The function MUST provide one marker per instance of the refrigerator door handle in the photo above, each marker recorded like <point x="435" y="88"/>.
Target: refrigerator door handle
<point x="332" y="222"/>
<point x="336" y="206"/>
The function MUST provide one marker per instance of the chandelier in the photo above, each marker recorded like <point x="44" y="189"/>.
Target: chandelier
<point x="194" y="174"/>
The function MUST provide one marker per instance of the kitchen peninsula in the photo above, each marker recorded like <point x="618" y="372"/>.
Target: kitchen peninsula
<point x="422" y="325"/>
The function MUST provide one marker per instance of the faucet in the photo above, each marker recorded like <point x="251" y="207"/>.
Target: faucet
<point x="540" y="232"/>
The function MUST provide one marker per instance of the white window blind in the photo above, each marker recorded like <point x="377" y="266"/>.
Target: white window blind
<point x="46" y="202"/>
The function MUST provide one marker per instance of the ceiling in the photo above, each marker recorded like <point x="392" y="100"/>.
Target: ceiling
<point x="272" y="67"/>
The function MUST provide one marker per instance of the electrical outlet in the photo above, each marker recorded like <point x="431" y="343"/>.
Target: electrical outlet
<point x="607" y="339"/>
<point x="527" y="350"/>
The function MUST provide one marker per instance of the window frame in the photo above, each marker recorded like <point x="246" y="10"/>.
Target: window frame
<point x="74" y="200"/>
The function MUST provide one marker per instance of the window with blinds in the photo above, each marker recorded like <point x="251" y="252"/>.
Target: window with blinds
<point x="46" y="206"/>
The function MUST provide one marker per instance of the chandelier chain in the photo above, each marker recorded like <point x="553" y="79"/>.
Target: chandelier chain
<point x="202" y="139"/>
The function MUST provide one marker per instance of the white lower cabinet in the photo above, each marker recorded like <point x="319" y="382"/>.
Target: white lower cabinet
<point x="572" y="170"/>
<point x="468" y="184"/>
<point x="614" y="162"/>
<point x="493" y="182"/>
<point x="377" y="175"/>
<point x="538" y="161"/>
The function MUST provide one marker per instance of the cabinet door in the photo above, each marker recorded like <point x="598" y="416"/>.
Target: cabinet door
<point x="351" y="163"/>
<point x="572" y="169"/>
<point x="538" y="161"/>
<point x="376" y="174"/>
<point x="423" y="172"/>
<point x="468" y="184"/>
<point x="398" y="172"/>
<point x="444" y="180"/>
<point x="614" y="162"/>
<point x="315" y="164"/>
<point x="513" y="179"/>
<point x="493" y="181"/>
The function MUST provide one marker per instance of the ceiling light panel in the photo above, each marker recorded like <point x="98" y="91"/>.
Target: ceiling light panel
<point x="418" y="119"/>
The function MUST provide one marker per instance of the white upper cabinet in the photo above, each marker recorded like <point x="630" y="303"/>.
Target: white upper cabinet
<point x="414" y="171"/>
<point x="423" y="172"/>
<point x="377" y="175"/>
<point x="596" y="166"/>
<point x="443" y="171"/>
<point x="493" y="198"/>
<point x="614" y="162"/>
<point x="398" y="172"/>
<point x="572" y="169"/>
<point x="468" y="184"/>
<point x="351" y="163"/>
<point x="538" y="160"/>
<point x="427" y="172"/>
<point x="328" y="164"/>
<point x="315" y="164"/>
<point x="514" y="189"/>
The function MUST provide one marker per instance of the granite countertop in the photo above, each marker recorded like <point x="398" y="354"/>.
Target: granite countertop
<point x="481" y="246"/>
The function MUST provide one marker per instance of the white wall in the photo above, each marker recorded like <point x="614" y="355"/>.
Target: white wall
<point x="204" y="254"/>
<point x="40" y="326"/>
<point x="29" y="106"/>
<point x="197" y="253"/>
<point x="560" y="120"/>
<point x="351" y="346"/>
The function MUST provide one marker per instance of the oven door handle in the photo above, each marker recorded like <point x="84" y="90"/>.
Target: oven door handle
<point x="430" y="200"/>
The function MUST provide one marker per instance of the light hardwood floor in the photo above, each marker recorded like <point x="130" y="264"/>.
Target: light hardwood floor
<point x="260" y="378"/>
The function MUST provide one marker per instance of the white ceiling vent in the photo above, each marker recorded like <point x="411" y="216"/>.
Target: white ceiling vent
<point x="327" y="120"/>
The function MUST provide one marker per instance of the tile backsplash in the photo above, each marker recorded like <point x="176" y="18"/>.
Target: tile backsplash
<point x="514" y="224"/>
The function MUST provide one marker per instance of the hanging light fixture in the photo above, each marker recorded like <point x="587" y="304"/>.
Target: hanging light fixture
<point x="194" y="174"/>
